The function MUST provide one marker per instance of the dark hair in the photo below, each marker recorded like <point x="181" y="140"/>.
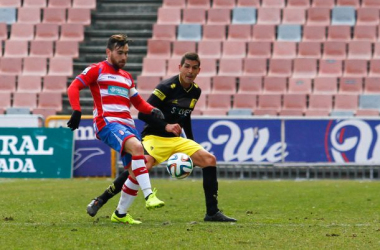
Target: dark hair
<point x="117" y="40"/>
<point x="190" y="56"/>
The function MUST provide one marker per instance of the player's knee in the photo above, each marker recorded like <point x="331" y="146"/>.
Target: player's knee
<point x="210" y="160"/>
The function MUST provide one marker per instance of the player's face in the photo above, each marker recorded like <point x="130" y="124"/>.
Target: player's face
<point x="118" y="56"/>
<point x="188" y="71"/>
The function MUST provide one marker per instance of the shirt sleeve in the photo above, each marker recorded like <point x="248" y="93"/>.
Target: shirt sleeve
<point x="89" y="75"/>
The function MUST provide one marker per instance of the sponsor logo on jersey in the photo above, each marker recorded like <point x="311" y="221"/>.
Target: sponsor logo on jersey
<point x="173" y="85"/>
<point x="159" y="94"/>
<point x="121" y="132"/>
<point x="192" y="103"/>
<point x="114" y="90"/>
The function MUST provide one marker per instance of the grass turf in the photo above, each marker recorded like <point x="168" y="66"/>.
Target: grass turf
<point x="334" y="214"/>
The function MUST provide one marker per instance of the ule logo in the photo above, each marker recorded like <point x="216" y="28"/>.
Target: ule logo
<point x="353" y="141"/>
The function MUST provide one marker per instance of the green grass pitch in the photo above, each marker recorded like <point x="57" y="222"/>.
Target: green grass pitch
<point x="331" y="214"/>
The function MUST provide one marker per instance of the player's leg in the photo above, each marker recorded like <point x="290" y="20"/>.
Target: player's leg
<point x="207" y="162"/>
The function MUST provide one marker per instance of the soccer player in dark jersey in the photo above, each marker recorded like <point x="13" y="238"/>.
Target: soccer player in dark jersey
<point x="176" y="98"/>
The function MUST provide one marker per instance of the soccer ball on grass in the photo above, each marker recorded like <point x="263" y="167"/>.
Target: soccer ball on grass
<point x="179" y="165"/>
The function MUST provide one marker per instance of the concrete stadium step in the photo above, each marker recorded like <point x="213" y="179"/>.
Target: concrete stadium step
<point x="124" y="16"/>
<point x="102" y="41"/>
<point x="98" y="57"/>
<point x="130" y="25"/>
<point x="128" y="7"/>
<point x="130" y="33"/>
<point x="86" y="49"/>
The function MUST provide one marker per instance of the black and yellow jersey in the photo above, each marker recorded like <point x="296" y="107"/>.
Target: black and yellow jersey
<point x="176" y="103"/>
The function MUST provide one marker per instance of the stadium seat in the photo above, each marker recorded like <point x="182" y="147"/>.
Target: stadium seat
<point x="324" y="85"/>
<point x="50" y="100"/>
<point x="10" y="3"/>
<point x="308" y="49"/>
<point x="204" y="82"/>
<point x="353" y="85"/>
<point x="202" y="4"/>
<point x="44" y="112"/>
<point x="59" y="3"/>
<point x="239" y="112"/>
<point x="376" y="51"/>
<point x="61" y="66"/>
<point x="66" y="49"/>
<point x="318" y="16"/>
<point x="317" y="113"/>
<point x="47" y="31"/>
<point x="346" y="102"/>
<point x="223" y="4"/>
<point x="354" y="3"/>
<point x="372" y="85"/>
<point x="178" y="4"/>
<point x="234" y="49"/>
<point x="173" y="68"/>
<point x="5" y="100"/>
<point x="154" y="67"/>
<point x="273" y="3"/>
<point x="245" y="101"/>
<point x="80" y="15"/>
<point x="3" y="33"/>
<point x="330" y="67"/>
<point x="359" y="50"/>
<point x="164" y="32"/>
<point x="366" y="112"/>
<point x="314" y="33"/>
<point x="224" y="85"/>
<point x="36" y="66"/>
<point x="270" y="16"/>
<point x="189" y="32"/>
<point x="24" y="100"/>
<point x="218" y="16"/>
<point x="255" y="67"/>
<point x="208" y="67"/>
<point x="263" y="33"/>
<point x="10" y="66"/>
<point x="371" y="4"/>
<point x="303" y="4"/>
<point x="181" y="47"/>
<point x="274" y="84"/>
<point x="192" y="16"/>
<point x="250" y="85"/>
<point x="299" y="85"/>
<point x="17" y="111"/>
<point x="159" y="49"/>
<point x="244" y="15"/>
<point x="305" y="67"/>
<point x="268" y="104"/>
<point x="230" y="67"/>
<point x="280" y="67"/>
<point x="296" y="103"/>
<point x="217" y="104"/>
<point x="54" y="15"/>
<point x="169" y="16"/>
<point x="8" y="15"/>
<point x="374" y="68"/>
<point x="84" y="4"/>
<point x="289" y="32"/>
<point x="355" y="68"/>
<point x="41" y="49"/>
<point x="369" y="102"/>
<point x="146" y="84"/>
<point x="367" y="16"/>
<point x="334" y="50"/>
<point x="344" y="15"/>
<point x="201" y="104"/>
<point x="34" y="3"/>
<point x="55" y="84"/>
<point x="343" y="113"/>
<point x="16" y="49"/>
<point x="22" y="31"/>
<point x="7" y="83"/>
<point x="248" y="3"/>
<point x="258" y="49"/>
<point x="293" y="16"/>
<point x="31" y="15"/>
<point x="283" y="49"/>
<point x="242" y="32"/>
<point x="319" y="105"/>
<point x="214" y="32"/>
<point x="29" y="83"/>
<point x="72" y="32"/>
<point x="339" y="33"/>
<point x="210" y="49"/>
<point x="365" y="32"/>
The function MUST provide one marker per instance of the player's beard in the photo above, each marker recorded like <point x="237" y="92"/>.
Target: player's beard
<point x="117" y="64"/>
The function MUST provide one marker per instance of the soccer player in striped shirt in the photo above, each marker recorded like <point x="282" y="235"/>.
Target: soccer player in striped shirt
<point x="113" y="91"/>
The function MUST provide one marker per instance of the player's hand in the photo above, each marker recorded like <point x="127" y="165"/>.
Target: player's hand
<point x="157" y="113"/>
<point x="74" y="121"/>
<point x="174" y="128"/>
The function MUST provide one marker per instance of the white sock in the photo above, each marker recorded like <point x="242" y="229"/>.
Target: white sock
<point x="141" y="174"/>
<point x="128" y="195"/>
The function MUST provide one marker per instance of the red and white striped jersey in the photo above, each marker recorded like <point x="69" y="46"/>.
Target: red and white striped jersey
<point x="111" y="90"/>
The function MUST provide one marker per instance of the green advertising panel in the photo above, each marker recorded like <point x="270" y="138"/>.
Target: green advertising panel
<point x="36" y="153"/>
